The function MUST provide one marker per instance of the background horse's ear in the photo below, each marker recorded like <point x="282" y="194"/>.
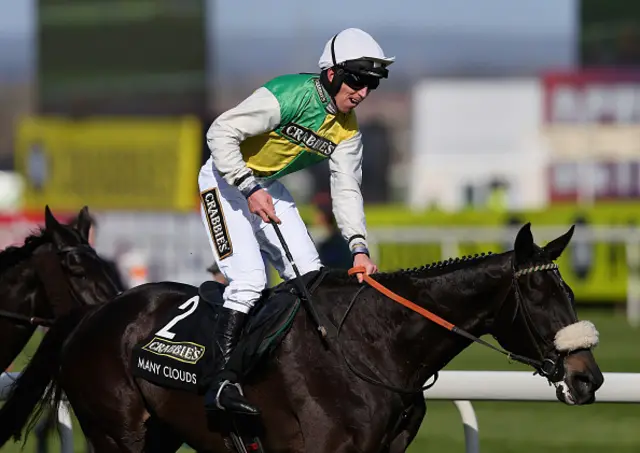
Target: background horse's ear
<point x="523" y="247"/>
<point x="555" y="248"/>
<point x="83" y="223"/>
<point x="50" y="222"/>
<point x="54" y="228"/>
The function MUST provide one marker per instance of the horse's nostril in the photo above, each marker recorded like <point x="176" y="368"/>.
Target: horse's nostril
<point x="582" y="383"/>
<point x="582" y="378"/>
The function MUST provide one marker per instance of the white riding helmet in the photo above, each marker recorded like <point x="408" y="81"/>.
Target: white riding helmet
<point x="353" y="44"/>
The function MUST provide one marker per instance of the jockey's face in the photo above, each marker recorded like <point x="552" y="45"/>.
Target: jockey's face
<point x="348" y="97"/>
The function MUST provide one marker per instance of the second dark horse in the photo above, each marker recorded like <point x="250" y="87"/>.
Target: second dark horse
<point x="54" y="271"/>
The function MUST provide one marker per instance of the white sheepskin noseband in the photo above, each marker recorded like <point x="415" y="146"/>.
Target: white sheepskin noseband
<point x="581" y="335"/>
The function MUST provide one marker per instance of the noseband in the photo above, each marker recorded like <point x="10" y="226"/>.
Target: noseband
<point x="550" y="365"/>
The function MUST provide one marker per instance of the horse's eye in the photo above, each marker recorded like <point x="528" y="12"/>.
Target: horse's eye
<point x="74" y="264"/>
<point x="569" y="291"/>
<point x="73" y="260"/>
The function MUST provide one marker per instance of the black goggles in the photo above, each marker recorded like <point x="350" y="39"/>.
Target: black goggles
<point x="359" y="74"/>
<point x="358" y="82"/>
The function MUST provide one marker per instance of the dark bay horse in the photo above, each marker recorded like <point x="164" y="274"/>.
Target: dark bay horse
<point x="53" y="271"/>
<point x="310" y="401"/>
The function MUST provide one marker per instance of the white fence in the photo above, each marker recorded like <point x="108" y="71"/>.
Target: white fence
<point x="465" y="386"/>
<point x="460" y="386"/>
<point x="176" y="247"/>
<point x="64" y="415"/>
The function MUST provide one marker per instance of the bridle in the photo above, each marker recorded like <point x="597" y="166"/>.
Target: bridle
<point x="59" y="292"/>
<point x="549" y="365"/>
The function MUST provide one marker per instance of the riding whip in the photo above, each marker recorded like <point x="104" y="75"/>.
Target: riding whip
<point x="306" y="297"/>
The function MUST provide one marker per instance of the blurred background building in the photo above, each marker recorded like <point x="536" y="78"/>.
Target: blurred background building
<point x="494" y="115"/>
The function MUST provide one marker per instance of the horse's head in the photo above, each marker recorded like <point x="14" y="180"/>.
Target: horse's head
<point x="90" y="279"/>
<point x="538" y="320"/>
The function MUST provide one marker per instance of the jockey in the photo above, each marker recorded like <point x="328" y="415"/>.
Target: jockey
<point x="291" y="122"/>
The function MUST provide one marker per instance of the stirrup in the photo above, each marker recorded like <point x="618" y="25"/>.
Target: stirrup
<point x="222" y="386"/>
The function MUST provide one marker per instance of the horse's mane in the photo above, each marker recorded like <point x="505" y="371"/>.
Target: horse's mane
<point x="443" y="267"/>
<point x="428" y="270"/>
<point x="13" y="255"/>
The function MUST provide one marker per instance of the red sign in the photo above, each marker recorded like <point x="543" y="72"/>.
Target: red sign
<point x="15" y="227"/>
<point x="592" y="96"/>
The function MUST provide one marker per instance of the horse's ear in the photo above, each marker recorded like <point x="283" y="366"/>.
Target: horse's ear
<point x="523" y="247"/>
<point x="83" y="224"/>
<point x="50" y="222"/>
<point x="54" y="228"/>
<point x="555" y="248"/>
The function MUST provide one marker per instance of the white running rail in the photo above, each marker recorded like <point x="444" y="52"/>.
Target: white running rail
<point x="461" y="387"/>
<point x="465" y="386"/>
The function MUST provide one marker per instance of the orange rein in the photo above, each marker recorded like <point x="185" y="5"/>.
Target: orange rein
<point x="537" y="364"/>
<point x="401" y="300"/>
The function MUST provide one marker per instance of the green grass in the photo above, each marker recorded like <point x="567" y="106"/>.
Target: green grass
<point x="507" y="427"/>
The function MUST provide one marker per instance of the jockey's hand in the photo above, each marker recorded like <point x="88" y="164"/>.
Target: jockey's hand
<point x="261" y="203"/>
<point x="361" y="259"/>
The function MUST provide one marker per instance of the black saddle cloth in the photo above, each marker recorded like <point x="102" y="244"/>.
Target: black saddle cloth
<point x="180" y="355"/>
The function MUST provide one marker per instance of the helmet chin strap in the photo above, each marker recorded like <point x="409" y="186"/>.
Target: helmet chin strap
<point x="333" y="86"/>
<point x="331" y="106"/>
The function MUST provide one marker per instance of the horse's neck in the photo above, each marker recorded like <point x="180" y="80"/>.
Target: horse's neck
<point x="420" y="347"/>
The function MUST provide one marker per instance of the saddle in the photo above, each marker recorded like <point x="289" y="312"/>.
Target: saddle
<point x="179" y="354"/>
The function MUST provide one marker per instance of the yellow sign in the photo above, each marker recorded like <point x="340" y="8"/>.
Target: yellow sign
<point x="110" y="163"/>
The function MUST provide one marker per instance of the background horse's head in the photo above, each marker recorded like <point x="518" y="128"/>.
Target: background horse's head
<point x="55" y="270"/>
<point x="90" y="279"/>
<point x="539" y="321"/>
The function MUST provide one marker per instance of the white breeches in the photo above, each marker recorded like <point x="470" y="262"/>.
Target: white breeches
<point x="236" y="237"/>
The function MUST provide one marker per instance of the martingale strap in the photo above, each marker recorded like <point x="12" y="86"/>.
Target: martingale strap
<point x="437" y="319"/>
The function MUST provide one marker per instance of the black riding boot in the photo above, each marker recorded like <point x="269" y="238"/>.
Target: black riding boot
<point x="224" y="393"/>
